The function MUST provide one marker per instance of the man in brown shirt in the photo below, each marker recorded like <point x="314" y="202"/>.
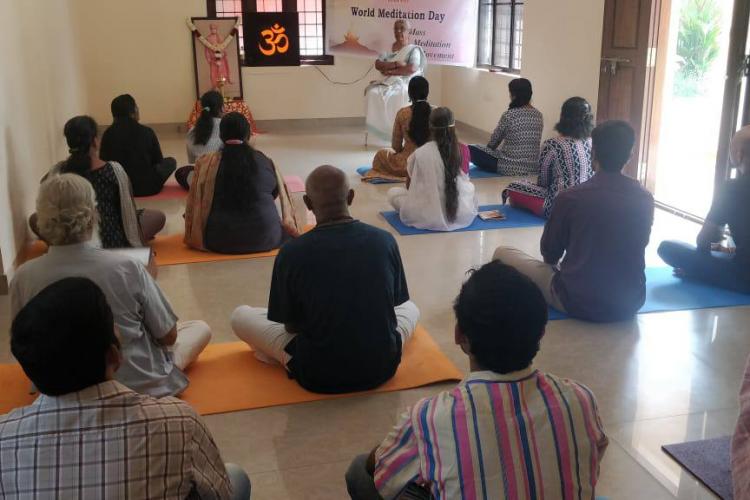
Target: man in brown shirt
<point x="595" y="239"/>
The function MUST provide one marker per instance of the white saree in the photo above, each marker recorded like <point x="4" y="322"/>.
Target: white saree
<point x="386" y="97"/>
<point x="423" y="204"/>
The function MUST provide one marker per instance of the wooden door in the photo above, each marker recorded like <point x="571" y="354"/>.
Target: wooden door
<point x="624" y="68"/>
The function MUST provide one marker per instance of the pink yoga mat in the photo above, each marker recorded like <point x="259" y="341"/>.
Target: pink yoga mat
<point x="170" y="191"/>
<point x="294" y="184"/>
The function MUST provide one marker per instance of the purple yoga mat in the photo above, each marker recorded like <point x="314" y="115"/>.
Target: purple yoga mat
<point x="708" y="461"/>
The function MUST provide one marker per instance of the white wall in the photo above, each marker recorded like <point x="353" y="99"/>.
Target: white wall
<point x="143" y="47"/>
<point x="140" y="47"/>
<point x="299" y="93"/>
<point x="561" y="53"/>
<point x="40" y="88"/>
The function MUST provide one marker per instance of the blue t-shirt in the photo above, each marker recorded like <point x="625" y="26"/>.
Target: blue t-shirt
<point x="336" y="287"/>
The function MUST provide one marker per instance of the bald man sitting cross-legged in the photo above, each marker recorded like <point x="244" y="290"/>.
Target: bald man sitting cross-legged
<point x="339" y="310"/>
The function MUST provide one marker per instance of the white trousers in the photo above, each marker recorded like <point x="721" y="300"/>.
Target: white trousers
<point x="192" y="338"/>
<point x="536" y="270"/>
<point x="269" y="339"/>
<point x="396" y="197"/>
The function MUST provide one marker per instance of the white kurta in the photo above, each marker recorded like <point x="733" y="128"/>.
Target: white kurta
<point x="385" y="98"/>
<point x="423" y="204"/>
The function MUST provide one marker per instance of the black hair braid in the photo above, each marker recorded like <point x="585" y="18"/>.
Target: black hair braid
<point x="444" y="134"/>
<point x="80" y="133"/>
<point x="212" y="104"/>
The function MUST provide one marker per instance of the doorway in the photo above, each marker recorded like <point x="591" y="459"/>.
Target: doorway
<point x="687" y="114"/>
<point x="688" y="96"/>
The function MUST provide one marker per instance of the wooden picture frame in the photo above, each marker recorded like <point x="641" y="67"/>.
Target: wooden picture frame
<point x="228" y="64"/>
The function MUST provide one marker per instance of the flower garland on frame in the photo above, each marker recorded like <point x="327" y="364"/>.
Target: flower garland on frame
<point x="211" y="46"/>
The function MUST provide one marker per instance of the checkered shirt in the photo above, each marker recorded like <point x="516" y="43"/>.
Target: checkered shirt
<point x="107" y="441"/>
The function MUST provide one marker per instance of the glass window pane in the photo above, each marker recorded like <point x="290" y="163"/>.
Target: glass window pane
<point x="311" y="26"/>
<point x="484" y="47"/>
<point x="502" y="36"/>
<point x="518" y="37"/>
<point x="269" y="5"/>
<point x="231" y="8"/>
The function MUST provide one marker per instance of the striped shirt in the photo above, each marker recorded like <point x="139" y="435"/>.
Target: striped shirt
<point x="107" y="441"/>
<point x="523" y="435"/>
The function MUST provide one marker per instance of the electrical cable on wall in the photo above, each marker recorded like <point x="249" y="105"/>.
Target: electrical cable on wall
<point x="345" y="83"/>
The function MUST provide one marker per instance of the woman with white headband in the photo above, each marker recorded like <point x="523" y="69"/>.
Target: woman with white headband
<point x="439" y="195"/>
<point x="231" y="207"/>
<point x="203" y="138"/>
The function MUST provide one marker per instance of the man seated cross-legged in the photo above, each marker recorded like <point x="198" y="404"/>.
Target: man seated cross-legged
<point x="339" y="310"/>
<point x="508" y="430"/>
<point x="87" y="435"/>
<point x="595" y="240"/>
<point x="156" y="348"/>
<point x="710" y="261"/>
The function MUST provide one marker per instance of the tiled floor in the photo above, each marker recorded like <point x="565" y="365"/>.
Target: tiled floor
<point x="661" y="378"/>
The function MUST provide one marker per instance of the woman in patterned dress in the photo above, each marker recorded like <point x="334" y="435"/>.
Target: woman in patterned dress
<point x="514" y="146"/>
<point x="565" y="161"/>
<point x="120" y="223"/>
<point x="410" y="131"/>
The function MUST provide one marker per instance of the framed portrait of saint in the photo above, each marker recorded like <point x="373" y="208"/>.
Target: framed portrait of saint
<point x="216" y="56"/>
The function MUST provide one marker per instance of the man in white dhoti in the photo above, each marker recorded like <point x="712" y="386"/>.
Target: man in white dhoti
<point x="385" y="97"/>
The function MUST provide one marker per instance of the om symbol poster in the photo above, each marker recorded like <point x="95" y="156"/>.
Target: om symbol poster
<point x="271" y="38"/>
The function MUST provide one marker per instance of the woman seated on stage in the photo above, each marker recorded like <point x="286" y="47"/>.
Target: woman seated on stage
<point x="203" y="138"/>
<point x="514" y="146"/>
<point x="120" y="224"/>
<point x="565" y="161"/>
<point x="231" y="208"/>
<point x="439" y="195"/>
<point x="386" y="97"/>
<point x="710" y="261"/>
<point x="410" y="131"/>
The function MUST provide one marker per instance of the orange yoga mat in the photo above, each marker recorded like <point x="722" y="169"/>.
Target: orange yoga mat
<point x="227" y="378"/>
<point x="171" y="250"/>
<point x="168" y="192"/>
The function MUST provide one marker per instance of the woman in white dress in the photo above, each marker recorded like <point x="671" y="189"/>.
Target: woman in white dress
<point x="439" y="195"/>
<point x="387" y="96"/>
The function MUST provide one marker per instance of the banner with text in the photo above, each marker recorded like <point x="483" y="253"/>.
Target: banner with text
<point x="445" y="29"/>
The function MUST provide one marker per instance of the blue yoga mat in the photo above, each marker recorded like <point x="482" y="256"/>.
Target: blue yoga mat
<point x="664" y="292"/>
<point x="363" y="170"/>
<point x="514" y="218"/>
<point x="477" y="173"/>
